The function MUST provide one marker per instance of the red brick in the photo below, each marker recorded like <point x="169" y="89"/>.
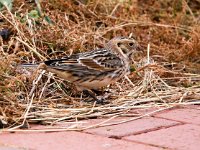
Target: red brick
<point x="6" y="147"/>
<point x="69" y="141"/>
<point x="183" y="115"/>
<point x="192" y="106"/>
<point x="133" y="127"/>
<point x="182" y="137"/>
<point x="143" y="111"/>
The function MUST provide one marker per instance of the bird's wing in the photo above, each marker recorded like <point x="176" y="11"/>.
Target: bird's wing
<point x="97" y="60"/>
<point x="101" y="59"/>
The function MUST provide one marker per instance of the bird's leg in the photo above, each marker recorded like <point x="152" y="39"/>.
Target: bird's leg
<point x="102" y="92"/>
<point x="90" y="93"/>
<point x="97" y="92"/>
<point x="93" y="95"/>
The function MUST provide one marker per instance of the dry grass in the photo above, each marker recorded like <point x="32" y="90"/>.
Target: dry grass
<point x="166" y="76"/>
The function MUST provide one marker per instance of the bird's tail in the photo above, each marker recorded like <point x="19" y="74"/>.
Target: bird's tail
<point x="29" y="65"/>
<point x="27" y="69"/>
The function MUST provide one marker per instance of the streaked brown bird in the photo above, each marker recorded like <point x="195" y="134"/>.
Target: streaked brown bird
<point x="97" y="68"/>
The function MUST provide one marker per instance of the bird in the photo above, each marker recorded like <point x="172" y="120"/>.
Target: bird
<point x="97" y="68"/>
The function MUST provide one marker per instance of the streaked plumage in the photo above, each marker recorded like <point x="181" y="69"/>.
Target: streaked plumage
<point x="97" y="68"/>
<point x="94" y="69"/>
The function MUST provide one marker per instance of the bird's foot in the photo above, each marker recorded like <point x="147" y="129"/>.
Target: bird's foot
<point x="99" y="99"/>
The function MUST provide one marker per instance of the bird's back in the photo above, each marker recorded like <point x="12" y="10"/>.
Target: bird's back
<point x="90" y="70"/>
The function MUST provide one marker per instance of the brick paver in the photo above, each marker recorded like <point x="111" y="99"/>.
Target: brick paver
<point x="133" y="127"/>
<point x="69" y="141"/>
<point x="184" y="115"/>
<point x="8" y="147"/>
<point x="182" y="137"/>
<point x="172" y="129"/>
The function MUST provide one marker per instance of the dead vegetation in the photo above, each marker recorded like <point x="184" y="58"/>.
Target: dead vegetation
<point x="32" y="31"/>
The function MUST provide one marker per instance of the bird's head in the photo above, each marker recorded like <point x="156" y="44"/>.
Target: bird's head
<point x="123" y="46"/>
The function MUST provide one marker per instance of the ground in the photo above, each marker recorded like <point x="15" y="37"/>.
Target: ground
<point x="177" y="128"/>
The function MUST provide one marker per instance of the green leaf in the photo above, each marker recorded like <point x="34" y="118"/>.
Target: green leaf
<point x="48" y="20"/>
<point x="34" y="14"/>
<point x="132" y="68"/>
<point x="1" y="6"/>
<point x="6" y="3"/>
<point x="39" y="7"/>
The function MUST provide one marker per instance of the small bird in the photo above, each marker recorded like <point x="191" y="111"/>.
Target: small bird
<point x="97" y="68"/>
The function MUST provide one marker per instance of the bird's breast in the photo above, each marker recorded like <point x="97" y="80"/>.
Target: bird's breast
<point x="97" y="82"/>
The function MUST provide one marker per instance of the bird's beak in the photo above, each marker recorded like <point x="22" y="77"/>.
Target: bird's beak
<point x="139" y="48"/>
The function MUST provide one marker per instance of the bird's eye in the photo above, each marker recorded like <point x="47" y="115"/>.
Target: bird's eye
<point x="131" y="44"/>
<point x="119" y="44"/>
